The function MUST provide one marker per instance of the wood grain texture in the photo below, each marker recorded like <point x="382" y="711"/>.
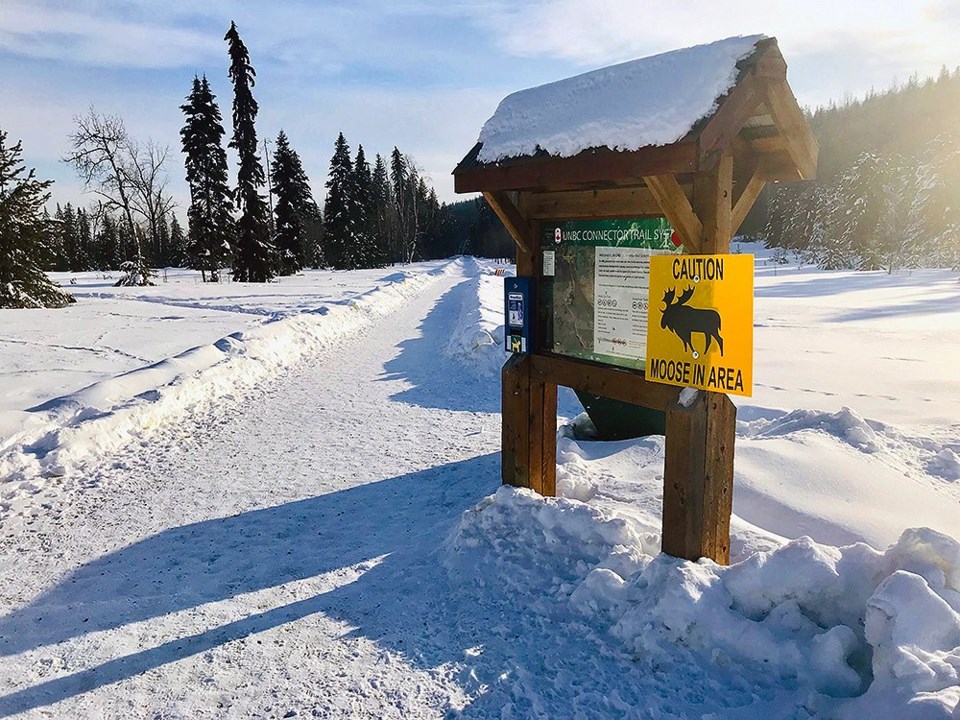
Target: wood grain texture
<point x="698" y="478"/>
<point x="676" y="207"/>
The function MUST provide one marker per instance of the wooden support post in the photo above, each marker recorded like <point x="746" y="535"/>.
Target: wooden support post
<point x="698" y="471"/>
<point x="514" y="410"/>
<point x="529" y="431"/>
<point x="712" y="203"/>
<point x="698" y="478"/>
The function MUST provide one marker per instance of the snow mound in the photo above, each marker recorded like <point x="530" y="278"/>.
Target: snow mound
<point x="476" y="341"/>
<point x="77" y="429"/>
<point x="846" y="424"/>
<point x="651" y="101"/>
<point x="852" y="631"/>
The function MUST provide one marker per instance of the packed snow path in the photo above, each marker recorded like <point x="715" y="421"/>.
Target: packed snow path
<point x="283" y="556"/>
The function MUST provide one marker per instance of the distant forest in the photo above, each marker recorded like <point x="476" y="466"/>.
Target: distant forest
<point x="887" y="191"/>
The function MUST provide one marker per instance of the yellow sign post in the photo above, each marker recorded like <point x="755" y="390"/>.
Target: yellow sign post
<point x="700" y="322"/>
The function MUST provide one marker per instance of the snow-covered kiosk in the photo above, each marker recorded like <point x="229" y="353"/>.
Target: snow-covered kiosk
<point x="672" y="147"/>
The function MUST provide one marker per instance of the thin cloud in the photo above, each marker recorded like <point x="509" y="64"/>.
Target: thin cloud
<point x="40" y="30"/>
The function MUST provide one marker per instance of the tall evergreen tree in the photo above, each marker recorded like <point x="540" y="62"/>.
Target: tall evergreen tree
<point x="84" y="241"/>
<point x="252" y="256"/>
<point x="369" y="251"/>
<point x="209" y="218"/>
<point x="295" y="206"/>
<point x="25" y="235"/>
<point x="108" y="243"/>
<point x="178" y="243"/>
<point x="400" y="187"/>
<point x="382" y="202"/>
<point x="339" y="231"/>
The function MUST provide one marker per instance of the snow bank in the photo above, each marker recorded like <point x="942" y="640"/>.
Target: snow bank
<point x="77" y="428"/>
<point x="476" y="341"/>
<point x="847" y="632"/>
<point x="651" y="101"/>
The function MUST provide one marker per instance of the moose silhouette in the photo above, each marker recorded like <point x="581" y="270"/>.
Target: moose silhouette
<point x="684" y="321"/>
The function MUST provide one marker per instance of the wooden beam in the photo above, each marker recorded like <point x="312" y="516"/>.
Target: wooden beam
<point x="729" y="119"/>
<point x="748" y="196"/>
<point x="769" y="144"/>
<point x="712" y="203"/>
<point x="542" y="419"/>
<point x="585" y="204"/>
<point x="698" y="478"/>
<point x="607" y="380"/>
<point x="520" y="229"/>
<point x="676" y="208"/>
<point x="590" y="169"/>
<point x="515" y="429"/>
<point x="792" y="126"/>
<point x="529" y="427"/>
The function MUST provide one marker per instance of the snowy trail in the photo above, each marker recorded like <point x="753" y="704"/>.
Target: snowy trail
<point x="285" y="556"/>
<point x="248" y="571"/>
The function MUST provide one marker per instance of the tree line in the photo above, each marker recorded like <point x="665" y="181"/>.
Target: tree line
<point x="885" y="196"/>
<point x="268" y="224"/>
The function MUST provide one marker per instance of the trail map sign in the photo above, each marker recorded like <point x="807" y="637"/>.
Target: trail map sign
<point x="600" y="273"/>
<point x="701" y="322"/>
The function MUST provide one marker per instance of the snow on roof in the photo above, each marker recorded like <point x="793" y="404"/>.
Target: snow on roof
<point x="651" y="101"/>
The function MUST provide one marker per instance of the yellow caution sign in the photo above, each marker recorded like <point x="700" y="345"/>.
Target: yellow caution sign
<point x="700" y="322"/>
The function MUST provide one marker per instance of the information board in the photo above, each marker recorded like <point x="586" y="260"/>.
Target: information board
<point x="595" y="283"/>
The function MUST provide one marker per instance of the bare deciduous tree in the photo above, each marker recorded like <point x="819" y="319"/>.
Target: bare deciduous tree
<point x="149" y="183"/>
<point x="127" y="178"/>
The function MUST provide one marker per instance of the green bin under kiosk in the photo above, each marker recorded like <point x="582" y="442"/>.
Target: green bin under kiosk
<point x="617" y="420"/>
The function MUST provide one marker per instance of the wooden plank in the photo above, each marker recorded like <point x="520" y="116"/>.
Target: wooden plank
<point x="793" y="127"/>
<point x="586" y="204"/>
<point x="535" y="429"/>
<point x="712" y="202"/>
<point x="721" y="434"/>
<point x="748" y="196"/>
<point x="768" y="144"/>
<point x="548" y="474"/>
<point x="676" y="207"/>
<point x="515" y="428"/>
<point x="590" y="169"/>
<point x="606" y="380"/>
<point x="698" y="478"/>
<point x="518" y="226"/>
<point x="729" y="119"/>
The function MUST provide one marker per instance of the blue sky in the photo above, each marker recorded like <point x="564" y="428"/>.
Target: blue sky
<point x="422" y="76"/>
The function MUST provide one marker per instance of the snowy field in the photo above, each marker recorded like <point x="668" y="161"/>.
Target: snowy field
<point x="288" y="507"/>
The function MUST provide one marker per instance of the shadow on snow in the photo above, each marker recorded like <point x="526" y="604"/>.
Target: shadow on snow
<point x="405" y="518"/>
<point x="436" y="380"/>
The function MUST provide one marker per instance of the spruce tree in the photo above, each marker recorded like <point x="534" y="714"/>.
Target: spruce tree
<point x="178" y="243"/>
<point x="108" y="244"/>
<point x="367" y="252"/>
<point x="84" y="242"/>
<point x="295" y="207"/>
<point x="252" y="256"/>
<point x="382" y="200"/>
<point x="211" y="224"/>
<point x="400" y="186"/>
<point x="25" y="235"/>
<point x="56" y="257"/>
<point x="339" y="231"/>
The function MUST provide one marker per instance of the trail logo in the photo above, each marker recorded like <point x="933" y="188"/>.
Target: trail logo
<point x="700" y="322"/>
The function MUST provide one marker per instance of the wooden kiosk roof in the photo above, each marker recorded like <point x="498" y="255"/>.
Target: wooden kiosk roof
<point x="757" y="122"/>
